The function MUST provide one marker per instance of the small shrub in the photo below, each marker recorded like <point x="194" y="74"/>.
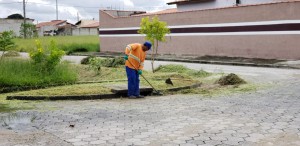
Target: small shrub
<point x="95" y="64"/>
<point x="113" y="62"/>
<point x="117" y="62"/>
<point x="6" y="42"/>
<point x="47" y="60"/>
<point x="86" y="60"/>
<point x="231" y="79"/>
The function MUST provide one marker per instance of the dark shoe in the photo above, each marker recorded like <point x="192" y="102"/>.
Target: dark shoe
<point x="132" y="97"/>
<point x="140" y="96"/>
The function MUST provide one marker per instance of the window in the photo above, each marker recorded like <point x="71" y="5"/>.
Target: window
<point x="238" y="2"/>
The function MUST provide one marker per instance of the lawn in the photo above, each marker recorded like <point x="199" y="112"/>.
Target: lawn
<point x="20" y="73"/>
<point x="180" y="76"/>
<point x="67" y="43"/>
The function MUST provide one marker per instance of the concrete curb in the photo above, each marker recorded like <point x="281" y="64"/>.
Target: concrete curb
<point x="75" y="97"/>
<point x="88" y="97"/>
<point x="183" y="88"/>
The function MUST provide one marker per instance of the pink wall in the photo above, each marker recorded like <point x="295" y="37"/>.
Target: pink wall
<point x="279" y="46"/>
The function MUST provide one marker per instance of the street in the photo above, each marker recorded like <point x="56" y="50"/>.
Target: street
<point x="265" y="117"/>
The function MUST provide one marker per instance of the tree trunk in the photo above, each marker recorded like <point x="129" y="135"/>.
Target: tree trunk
<point x="2" y="55"/>
<point x="152" y="59"/>
<point x="155" y="48"/>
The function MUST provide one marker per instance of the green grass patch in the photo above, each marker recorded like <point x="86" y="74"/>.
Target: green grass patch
<point x="67" y="43"/>
<point x="5" y="108"/>
<point x="13" y="105"/>
<point x="20" y="73"/>
<point x="180" y="76"/>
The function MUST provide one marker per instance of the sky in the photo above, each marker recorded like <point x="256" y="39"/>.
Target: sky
<point x="74" y="10"/>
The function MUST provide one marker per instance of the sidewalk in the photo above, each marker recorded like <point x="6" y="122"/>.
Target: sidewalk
<point x="238" y="61"/>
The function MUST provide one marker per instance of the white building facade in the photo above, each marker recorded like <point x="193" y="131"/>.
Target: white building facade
<point x="12" y="25"/>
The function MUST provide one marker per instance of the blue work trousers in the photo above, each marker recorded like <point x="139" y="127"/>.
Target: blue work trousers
<point x="133" y="82"/>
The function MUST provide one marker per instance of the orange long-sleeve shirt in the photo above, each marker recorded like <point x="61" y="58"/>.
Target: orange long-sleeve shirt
<point x="136" y="56"/>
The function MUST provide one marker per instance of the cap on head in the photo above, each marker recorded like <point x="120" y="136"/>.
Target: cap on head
<point x="148" y="45"/>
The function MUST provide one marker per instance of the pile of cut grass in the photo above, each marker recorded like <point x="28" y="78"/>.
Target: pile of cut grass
<point x="231" y="79"/>
<point x="182" y="70"/>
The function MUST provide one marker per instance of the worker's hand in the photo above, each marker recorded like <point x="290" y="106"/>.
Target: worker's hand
<point x="126" y="57"/>
<point x="140" y="72"/>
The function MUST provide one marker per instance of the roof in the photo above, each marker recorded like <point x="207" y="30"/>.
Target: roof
<point x="184" y="1"/>
<point x="123" y="13"/>
<point x="174" y="12"/>
<point x="16" y="19"/>
<point x="51" y="23"/>
<point x="190" y="1"/>
<point x="87" y="23"/>
<point x="91" y="25"/>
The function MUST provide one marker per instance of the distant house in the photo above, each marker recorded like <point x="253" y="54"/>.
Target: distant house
<point x="86" y="27"/>
<point x="13" y="25"/>
<point x="55" y="27"/>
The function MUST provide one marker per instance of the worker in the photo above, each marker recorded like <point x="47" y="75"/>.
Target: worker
<point x="135" y="55"/>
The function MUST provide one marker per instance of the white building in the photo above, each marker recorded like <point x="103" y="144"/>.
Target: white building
<point x="54" y="27"/>
<point x="13" y="25"/>
<point x="86" y="27"/>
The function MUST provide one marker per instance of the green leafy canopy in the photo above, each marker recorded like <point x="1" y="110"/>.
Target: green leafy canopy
<point x="154" y="30"/>
<point x="6" y="40"/>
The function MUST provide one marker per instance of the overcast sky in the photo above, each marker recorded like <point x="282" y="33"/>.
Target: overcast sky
<point x="45" y="10"/>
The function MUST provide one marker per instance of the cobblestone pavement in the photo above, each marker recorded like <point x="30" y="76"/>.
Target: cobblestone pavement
<point x="266" y="117"/>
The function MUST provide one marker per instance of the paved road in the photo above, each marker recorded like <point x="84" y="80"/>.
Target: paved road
<point x="265" y="117"/>
<point x="269" y="117"/>
<point x="257" y="74"/>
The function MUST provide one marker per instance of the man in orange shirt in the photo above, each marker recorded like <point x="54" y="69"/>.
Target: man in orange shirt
<point x="135" y="57"/>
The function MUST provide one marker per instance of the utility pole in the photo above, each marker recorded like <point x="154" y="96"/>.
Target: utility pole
<point x="56" y="11"/>
<point x="24" y="24"/>
<point x="77" y="17"/>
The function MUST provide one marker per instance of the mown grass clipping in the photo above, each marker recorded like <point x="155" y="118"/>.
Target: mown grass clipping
<point x="231" y="79"/>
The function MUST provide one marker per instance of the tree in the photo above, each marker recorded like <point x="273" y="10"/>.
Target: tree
<point x="6" y="42"/>
<point x="30" y="30"/>
<point x="155" y="32"/>
<point x="15" y="16"/>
